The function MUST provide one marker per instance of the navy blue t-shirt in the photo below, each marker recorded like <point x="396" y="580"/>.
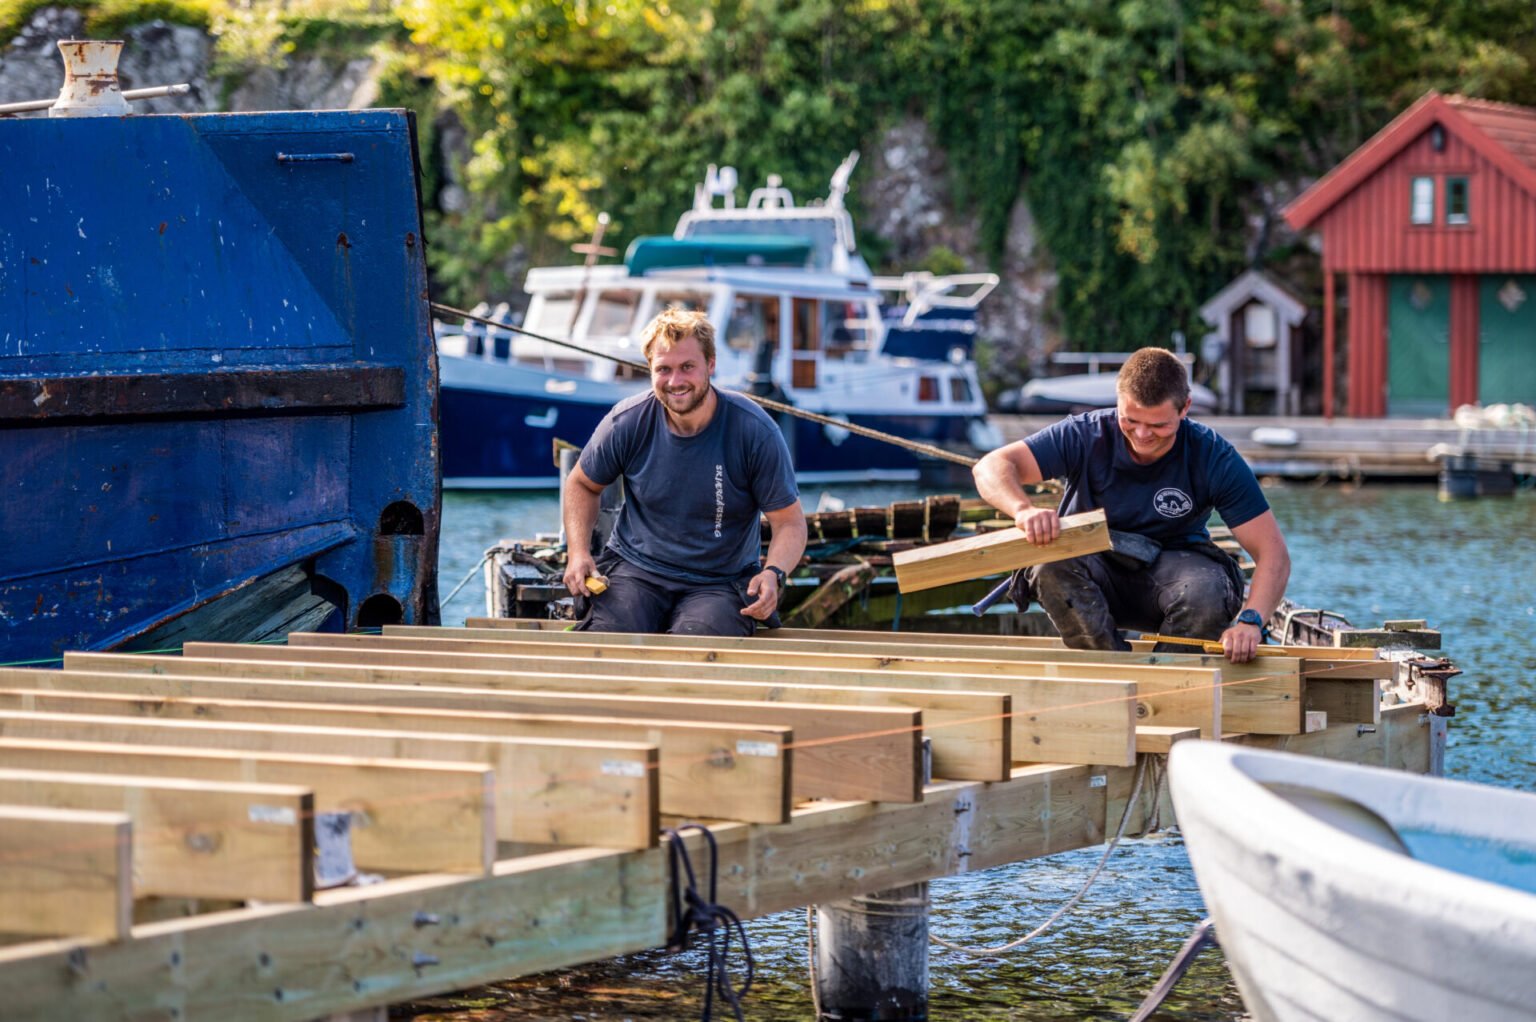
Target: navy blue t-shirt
<point x="691" y="502"/>
<point x="1169" y="500"/>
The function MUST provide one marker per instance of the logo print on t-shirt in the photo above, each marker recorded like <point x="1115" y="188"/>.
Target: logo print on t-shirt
<point x="1172" y="503"/>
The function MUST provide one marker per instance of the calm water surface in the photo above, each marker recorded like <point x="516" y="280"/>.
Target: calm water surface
<point x="1371" y="553"/>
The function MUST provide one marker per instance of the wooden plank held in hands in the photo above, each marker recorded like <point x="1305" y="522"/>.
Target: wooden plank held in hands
<point x="1005" y="550"/>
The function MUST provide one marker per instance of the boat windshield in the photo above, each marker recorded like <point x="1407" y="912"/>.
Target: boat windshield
<point x="821" y="232"/>
<point x="754" y="318"/>
<point x="552" y="312"/>
<point x="613" y="313"/>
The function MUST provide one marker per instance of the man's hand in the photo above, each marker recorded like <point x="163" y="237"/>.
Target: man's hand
<point x="764" y="588"/>
<point x="579" y="568"/>
<point x="1240" y="642"/>
<point x="1040" y="525"/>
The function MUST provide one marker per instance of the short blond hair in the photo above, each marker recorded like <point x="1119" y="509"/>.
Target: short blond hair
<point x="672" y="325"/>
<point x="1152" y="376"/>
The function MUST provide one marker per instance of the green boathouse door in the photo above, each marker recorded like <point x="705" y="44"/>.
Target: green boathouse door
<point x="1506" y="354"/>
<point x="1418" y="345"/>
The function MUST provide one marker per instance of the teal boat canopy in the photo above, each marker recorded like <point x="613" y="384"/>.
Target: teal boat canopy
<point x="661" y="252"/>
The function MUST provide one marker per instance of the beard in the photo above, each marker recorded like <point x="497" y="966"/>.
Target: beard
<point x="683" y="403"/>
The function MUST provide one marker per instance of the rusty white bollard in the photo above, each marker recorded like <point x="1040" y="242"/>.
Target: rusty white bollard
<point x="90" y="79"/>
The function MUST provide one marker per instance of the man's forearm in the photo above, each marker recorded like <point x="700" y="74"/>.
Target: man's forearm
<point x="580" y="515"/>
<point x="1270" y="576"/>
<point x="997" y="481"/>
<point x="786" y="546"/>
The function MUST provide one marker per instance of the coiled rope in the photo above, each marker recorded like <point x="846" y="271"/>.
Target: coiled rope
<point x="711" y="920"/>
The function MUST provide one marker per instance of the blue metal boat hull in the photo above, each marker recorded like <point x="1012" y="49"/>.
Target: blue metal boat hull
<point x="217" y="380"/>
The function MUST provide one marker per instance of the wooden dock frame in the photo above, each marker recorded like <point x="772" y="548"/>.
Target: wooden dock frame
<point x="418" y="934"/>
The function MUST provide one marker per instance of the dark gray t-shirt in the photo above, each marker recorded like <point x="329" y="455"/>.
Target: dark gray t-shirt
<point x="691" y="502"/>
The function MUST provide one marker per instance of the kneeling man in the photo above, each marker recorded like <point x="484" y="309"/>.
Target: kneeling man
<point x="699" y="465"/>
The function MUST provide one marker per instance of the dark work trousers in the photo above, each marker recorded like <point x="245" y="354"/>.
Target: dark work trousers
<point x="1183" y="592"/>
<point x="638" y="601"/>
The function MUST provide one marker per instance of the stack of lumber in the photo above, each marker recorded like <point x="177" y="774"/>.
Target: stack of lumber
<point x="507" y="784"/>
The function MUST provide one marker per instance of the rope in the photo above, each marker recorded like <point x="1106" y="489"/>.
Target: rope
<point x="915" y="446"/>
<point x="1125" y="817"/>
<point x="465" y="580"/>
<point x="1203" y="937"/>
<point x="709" y="918"/>
<point x="810" y="950"/>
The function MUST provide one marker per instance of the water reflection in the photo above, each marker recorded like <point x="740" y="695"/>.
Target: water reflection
<point x="1371" y="553"/>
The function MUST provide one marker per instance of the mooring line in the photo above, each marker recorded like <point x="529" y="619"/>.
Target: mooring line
<point x="1125" y="818"/>
<point x="915" y="446"/>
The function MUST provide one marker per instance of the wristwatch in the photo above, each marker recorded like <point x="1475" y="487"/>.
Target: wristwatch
<point x="1249" y="616"/>
<point x="777" y="572"/>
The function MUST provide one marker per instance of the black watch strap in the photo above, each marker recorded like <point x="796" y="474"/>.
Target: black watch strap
<point x="777" y="571"/>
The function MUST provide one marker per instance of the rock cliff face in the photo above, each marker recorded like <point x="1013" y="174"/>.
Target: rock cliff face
<point x="907" y="201"/>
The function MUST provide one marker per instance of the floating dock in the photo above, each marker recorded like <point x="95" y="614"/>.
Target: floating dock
<point x="499" y="791"/>
<point x="1350" y="449"/>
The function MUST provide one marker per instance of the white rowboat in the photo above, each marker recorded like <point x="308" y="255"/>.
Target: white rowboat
<point x="1344" y="892"/>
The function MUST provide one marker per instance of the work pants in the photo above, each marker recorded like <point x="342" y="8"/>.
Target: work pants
<point x="637" y="600"/>
<point x="1184" y="592"/>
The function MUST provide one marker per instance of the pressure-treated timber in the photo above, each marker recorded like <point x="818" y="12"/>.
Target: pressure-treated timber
<point x="1345" y="701"/>
<point x="868" y="751"/>
<point x="1259" y="698"/>
<point x="417" y="816"/>
<point x="1158" y="740"/>
<point x="1171" y="695"/>
<point x="1076" y="721"/>
<point x="548" y="791"/>
<point x="67" y="872"/>
<point x="546" y="911"/>
<point x="1006" y="550"/>
<point x="193" y="839"/>
<point x="707" y="770"/>
<point x="830" y="637"/>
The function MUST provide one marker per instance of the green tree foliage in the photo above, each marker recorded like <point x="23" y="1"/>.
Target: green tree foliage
<point x="1153" y="139"/>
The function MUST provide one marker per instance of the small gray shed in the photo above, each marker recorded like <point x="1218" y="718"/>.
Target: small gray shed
<point x="1256" y="345"/>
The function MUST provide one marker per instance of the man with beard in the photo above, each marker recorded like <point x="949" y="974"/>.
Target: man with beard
<point x="1158" y="476"/>
<point x="699" y="465"/>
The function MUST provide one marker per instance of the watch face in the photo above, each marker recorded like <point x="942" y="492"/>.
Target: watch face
<point x="1250" y="617"/>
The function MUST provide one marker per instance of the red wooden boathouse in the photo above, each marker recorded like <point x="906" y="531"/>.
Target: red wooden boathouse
<point x="1432" y="225"/>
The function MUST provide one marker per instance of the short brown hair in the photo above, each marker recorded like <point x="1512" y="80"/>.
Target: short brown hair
<point x="1152" y="376"/>
<point x="672" y="325"/>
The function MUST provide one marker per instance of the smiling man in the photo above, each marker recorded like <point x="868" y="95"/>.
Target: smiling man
<point x="699" y="465"/>
<point x="1157" y="475"/>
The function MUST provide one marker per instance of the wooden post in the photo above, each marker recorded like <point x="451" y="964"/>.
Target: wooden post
<point x="872" y="955"/>
<point x="1329" y="342"/>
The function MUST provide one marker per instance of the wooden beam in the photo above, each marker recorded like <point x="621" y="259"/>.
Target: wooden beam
<point x="732" y="772"/>
<point x="871" y="752"/>
<point x="1158" y="740"/>
<point x="543" y="911"/>
<point x="832" y="594"/>
<point x="417" y="816"/>
<point x="1345" y="701"/>
<point x="193" y="839"/>
<point x="546" y="911"/>
<point x="548" y="791"/>
<point x="1264" y="698"/>
<point x="67" y="873"/>
<point x="1177" y="696"/>
<point x="1006" y="550"/>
